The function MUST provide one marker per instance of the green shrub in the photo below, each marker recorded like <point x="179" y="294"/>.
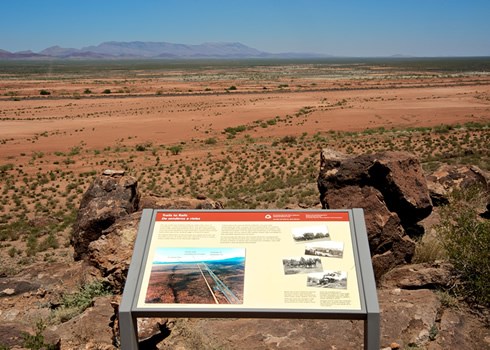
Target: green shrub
<point x="44" y="92"/>
<point x="106" y="91"/>
<point x="74" y="304"/>
<point x="210" y="141"/>
<point x="466" y="238"/>
<point x="36" y="341"/>
<point x="175" y="149"/>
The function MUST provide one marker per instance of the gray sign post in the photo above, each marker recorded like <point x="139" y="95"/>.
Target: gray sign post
<point x="340" y="235"/>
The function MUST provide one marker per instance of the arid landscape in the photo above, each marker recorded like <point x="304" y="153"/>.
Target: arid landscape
<point x="246" y="133"/>
<point x="195" y="284"/>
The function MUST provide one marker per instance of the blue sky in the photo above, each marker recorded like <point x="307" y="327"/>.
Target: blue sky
<point x="337" y="27"/>
<point x="174" y="255"/>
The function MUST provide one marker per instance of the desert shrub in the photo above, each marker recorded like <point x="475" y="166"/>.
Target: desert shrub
<point x="466" y="238"/>
<point x="74" y="304"/>
<point x="74" y="151"/>
<point x="289" y="139"/>
<point x="106" y="91"/>
<point x="442" y="129"/>
<point x="49" y="242"/>
<point x="140" y="147"/>
<point x="175" y="149"/>
<point x="36" y="341"/>
<point x="233" y="87"/>
<point x="44" y="92"/>
<point x="6" y="167"/>
<point x="428" y="251"/>
<point x="234" y="130"/>
<point x="87" y="91"/>
<point x="210" y="141"/>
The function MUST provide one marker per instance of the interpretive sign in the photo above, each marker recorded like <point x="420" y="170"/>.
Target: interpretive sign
<point x="254" y="263"/>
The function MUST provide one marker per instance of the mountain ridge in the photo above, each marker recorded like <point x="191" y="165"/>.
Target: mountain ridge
<point x="155" y="50"/>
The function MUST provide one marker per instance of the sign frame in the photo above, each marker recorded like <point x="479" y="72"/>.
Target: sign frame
<point x="369" y="308"/>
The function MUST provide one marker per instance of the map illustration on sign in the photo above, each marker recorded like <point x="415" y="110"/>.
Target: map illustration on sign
<point x="197" y="276"/>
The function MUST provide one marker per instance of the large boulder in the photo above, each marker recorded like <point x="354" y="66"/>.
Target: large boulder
<point x="111" y="196"/>
<point x="392" y="190"/>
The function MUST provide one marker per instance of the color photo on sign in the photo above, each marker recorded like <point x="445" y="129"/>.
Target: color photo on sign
<point x="197" y="276"/>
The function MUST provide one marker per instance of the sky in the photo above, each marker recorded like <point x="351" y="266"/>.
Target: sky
<point x="335" y="27"/>
<point x="174" y="255"/>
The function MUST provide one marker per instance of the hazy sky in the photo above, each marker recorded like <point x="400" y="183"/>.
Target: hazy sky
<point x="337" y="27"/>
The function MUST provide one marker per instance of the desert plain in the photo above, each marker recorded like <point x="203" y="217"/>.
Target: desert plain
<point x="246" y="133"/>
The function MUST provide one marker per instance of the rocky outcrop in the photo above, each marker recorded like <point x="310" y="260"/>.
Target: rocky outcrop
<point x="111" y="252"/>
<point x="111" y="196"/>
<point x="419" y="276"/>
<point x="449" y="177"/>
<point x="392" y="190"/>
<point x="93" y="328"/>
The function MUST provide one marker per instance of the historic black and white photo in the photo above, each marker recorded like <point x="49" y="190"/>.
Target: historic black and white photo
<point x="330" y="249"/>
<point x="327" y="279"/>
<point x="310" y="233"/>
<point x="295" y="265"/>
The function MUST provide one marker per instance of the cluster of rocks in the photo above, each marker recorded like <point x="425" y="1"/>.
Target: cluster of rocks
<point x="396" y="197"/>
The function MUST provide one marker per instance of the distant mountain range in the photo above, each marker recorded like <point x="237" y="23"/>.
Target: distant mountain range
<point x="154" y="50"/>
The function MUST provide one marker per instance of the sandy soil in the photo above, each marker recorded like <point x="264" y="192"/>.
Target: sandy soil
<point x="50" y="125"/>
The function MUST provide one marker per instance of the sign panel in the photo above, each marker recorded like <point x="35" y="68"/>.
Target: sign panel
<point x="303" y="260"/>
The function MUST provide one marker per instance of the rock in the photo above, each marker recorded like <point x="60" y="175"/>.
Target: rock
<point x="391" y="188"/>
<point x="12" y="334"/>
<point x="449" y="177"/>
<point x="459" y="330"/>
<point x="111" y="253"/>
<point x="14" y="286"/>
<point x="419" y="276"/>
<point x="92" y="329"/>
<point x="111" y="172"/>
<point x="400" y="178"/>
<point x="409" y="319"/>
<point x="108" y="198"/>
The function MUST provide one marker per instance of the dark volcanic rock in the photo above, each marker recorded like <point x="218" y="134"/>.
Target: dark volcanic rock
<point x="110" y="197"/>
<point x="391" y="188"/>
<point x="10" y="287"/>
<point x="399" y="177"/>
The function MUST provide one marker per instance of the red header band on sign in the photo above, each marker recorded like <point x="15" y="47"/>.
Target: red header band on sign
<point x="251" y="216"/>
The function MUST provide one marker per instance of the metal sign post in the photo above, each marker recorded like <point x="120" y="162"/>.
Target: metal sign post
<point x="319" y="266"/>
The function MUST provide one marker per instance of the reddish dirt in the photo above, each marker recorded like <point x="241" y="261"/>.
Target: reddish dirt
<point x="50" y="125"/>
